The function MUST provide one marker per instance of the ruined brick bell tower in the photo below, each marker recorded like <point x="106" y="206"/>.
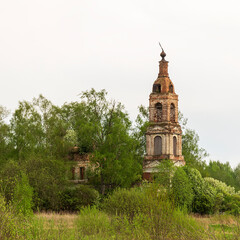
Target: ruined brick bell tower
<point x="164" y="135"/>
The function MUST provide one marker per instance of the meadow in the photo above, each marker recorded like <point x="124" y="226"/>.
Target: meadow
<point x="137" y="213"/>
<point x="66" y="226"/>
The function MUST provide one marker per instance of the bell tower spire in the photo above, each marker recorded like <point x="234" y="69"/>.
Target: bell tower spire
<point x="163" y="66"/>
<point x="164" y="134"/>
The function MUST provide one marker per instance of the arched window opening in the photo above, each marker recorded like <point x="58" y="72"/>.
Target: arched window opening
<point x="158" y="108"/>
<point x="171" y="88"/>
<point x="157" y="145"/>
<point x="172" y="113"/>
<point x="175" y="146"/>
<point x="157" y="88"/>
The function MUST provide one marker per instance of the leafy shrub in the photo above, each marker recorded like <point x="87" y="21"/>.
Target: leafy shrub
<point x="182" y="189"/>
<point x="73" y="198"/>
<point x="147" y="213"/>
<point x="204" y="194"/>
<point x="231" y="204"/>
<point x="47" y="176"/>
<point x="225" y="199"/>
<point x="125" y="202"/>
<point x="220" y="187"/>
<point x="22" y="197"/>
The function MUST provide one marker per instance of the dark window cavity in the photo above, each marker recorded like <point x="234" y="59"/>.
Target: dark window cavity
<point x="157" y="145"/>
<point x="172" y="113"/>
<point x="82" y="173"/>
<point x="175" y="146"/>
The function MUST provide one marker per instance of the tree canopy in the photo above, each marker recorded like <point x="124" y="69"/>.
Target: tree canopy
<point x="37" y="138"/>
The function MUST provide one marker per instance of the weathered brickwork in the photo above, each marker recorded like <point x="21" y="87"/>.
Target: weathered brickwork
<point x="79" y="168"/>
<point x="164" y="135"/>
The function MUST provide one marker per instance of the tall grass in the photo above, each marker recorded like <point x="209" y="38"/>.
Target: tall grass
<point x="94" y="224"/>
<point x="225" y="226"/>
<point x="51" y="226"/>
<point x="12" y="225"/>
<point x="143" y="213"/>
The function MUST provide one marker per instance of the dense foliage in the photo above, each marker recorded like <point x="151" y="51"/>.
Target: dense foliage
<point x="36" y="140"/>
<point x="190" y="191"/>
<point x="76" y="197"/>
<point x="182" y="189"/>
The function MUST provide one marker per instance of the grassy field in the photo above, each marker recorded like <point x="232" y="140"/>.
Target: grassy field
<point x="221" y="226"/>
<point x="68" y="226"/>
<point x="54" y="226"/>
<point x="59" y="219"/>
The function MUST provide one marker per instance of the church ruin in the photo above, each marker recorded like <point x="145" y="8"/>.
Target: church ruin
<point x="164" y="134"/>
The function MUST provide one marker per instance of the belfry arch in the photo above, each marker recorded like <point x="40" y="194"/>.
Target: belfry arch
<point x="158" y="109"/>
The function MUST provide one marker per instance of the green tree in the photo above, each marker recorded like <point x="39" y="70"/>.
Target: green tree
<point x="222" y="172"/>
<point x="237" y="177"/>
<point x="27" y="132"/>
<point x="193" y="154"/>
<point x="141" y="125"/>
<point x="104" y="128"/>
<point x="38" y="127"/>
<point x="48" y="178"/>
<point x="3" y="113"/>
<point x="5" y="146"/>
<point x="164" y="174"/>
<point x="9" y="175"/>
<point x="81" y="123"/>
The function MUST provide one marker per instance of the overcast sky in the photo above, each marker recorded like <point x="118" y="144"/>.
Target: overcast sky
<point x="60" y="48"/>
